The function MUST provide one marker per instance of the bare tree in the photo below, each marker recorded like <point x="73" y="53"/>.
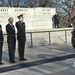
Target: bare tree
<point x="13" y="3"/>
<point x="66" y="8"/>
<point x="35" y="3"/>
<point x="44" y="3"/>
<point x="26" y="3"/>
<point x="4" y="3"/>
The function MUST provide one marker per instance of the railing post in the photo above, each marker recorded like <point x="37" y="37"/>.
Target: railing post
<point x="31" y="40"/>
<point x="65" y="36"/>
<point x="49" y="38"/>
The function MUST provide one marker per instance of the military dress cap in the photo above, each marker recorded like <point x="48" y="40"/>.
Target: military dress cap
<point x="20" y="16"/>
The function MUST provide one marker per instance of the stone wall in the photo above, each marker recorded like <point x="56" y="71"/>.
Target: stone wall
<point x="35" y="18"/>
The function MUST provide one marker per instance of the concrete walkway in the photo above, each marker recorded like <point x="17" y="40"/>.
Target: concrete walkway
<point x="55" y="59"/>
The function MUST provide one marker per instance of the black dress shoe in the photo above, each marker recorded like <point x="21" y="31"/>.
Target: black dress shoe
<point x="1" y="63"/>
<point x="12" y="62"/>
<point x="23" y="59"/>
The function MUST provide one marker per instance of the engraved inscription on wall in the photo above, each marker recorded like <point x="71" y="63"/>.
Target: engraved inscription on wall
<point x="35" y="18"/>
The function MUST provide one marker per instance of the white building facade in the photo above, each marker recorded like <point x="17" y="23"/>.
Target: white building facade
<point x="35" y="18"/>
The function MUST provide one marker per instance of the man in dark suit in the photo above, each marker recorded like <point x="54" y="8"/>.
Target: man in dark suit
<point x="11" y="40"/>
<point x="56" y="20"/>
<point x="1" y="44"/>
<point x="21" y="36"/>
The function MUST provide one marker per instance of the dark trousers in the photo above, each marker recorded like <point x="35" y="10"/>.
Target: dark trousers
<point x="21" y="48"/>
<point x="56" y="25"/>
<point x="11" y="50"/>
<point x="1" y="52"/>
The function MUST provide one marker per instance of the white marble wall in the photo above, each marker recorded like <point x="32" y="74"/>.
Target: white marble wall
<point x="35" y="18"/>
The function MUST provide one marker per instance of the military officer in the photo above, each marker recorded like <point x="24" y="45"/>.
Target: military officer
<point x="21" y="37"/>
<point x="1" y="44"/>
<point x="11" y="40"/>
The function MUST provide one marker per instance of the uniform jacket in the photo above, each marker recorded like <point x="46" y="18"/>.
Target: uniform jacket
<point x="21" y="32"/>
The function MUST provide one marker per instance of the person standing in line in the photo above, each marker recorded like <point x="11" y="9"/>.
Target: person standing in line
<point x="11" y="40"/>
<point x="1" y="44"/>
<point x="21" y="37"/>
<point x="56" y="20"/>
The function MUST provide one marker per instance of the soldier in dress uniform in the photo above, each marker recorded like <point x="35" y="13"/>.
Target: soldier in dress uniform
<point x="11" y="40"/>
<point x="21" y="37"/>
<point x="1" y="44"/>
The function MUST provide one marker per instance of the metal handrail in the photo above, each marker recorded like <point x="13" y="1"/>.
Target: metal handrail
<point x="49" y="31"/>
